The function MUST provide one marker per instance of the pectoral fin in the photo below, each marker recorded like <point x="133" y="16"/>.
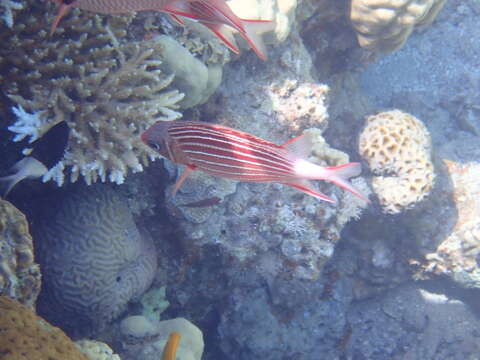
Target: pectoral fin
<point x="188" y="170"/>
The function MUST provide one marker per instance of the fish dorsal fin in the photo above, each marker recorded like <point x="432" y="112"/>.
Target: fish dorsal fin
<point x="300" y="146"/>
<point x="224" y="33"/>
<point x="218" y="9"/>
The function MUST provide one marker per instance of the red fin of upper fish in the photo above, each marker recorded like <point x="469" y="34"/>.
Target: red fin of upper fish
<point x="214" y="14"/>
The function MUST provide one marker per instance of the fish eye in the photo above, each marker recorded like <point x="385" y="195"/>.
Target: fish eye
<point x="154" y="146"/>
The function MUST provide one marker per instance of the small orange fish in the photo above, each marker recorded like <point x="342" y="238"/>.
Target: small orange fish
<point x="229" y="153"/>
<point x="170" y="349"/>
<point x="214" y="14"/>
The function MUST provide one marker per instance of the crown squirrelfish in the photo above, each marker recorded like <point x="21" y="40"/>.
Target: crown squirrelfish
<point x="229" y="153"/>
<point x="214" y="14"/>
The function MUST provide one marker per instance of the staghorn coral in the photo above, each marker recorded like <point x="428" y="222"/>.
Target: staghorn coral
<point x="397" y="147"/>
<point x="385" y="25"/>
<point x="106" y="88"/>
<point x="27" y="336"/>
<point x="7" y="8"/>
<point x="19" y="274"/>
<point x="93" y="258"/>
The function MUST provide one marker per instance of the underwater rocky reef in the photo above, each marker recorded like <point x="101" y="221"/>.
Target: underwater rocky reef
<point x="95" y="246"/>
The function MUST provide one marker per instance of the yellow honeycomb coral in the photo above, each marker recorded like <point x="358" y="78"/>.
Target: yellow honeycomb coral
<point x="397" y="147"/>
<point x="26" y="336"/>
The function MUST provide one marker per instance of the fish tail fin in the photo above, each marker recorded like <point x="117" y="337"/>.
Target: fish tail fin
<point x="253" y="35"/>
<point x="28" y="167"/>
<point x="8" y="182"/>
<point x="339" y="175"/>
<point x="62" y="10"/>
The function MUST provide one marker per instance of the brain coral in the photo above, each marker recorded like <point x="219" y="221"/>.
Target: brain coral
<point x="26" y="336"/>
<point x="93" y="259"/>
<point x="385" y="25"/>
<point x="19" y="275"/>
<point x="108" y="89"/>
<point x="398" y="145"/>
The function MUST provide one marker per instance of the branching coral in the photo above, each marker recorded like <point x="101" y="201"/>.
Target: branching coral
<point x="7" y="8"/>
<point x="108" y="90"/>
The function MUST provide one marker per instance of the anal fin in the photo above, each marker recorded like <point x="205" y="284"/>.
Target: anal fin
<point x="307" y="187"/>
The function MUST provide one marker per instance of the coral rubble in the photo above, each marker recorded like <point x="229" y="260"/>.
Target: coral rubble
<point x="96" y="350"/>
<point x="19" y="274"/>
<point x="107" y="89"/>
<point x="27" y="336"/>
<point x="93" y="258"/>
<point x="384" y="26"/>
<point x="397" y="147"/>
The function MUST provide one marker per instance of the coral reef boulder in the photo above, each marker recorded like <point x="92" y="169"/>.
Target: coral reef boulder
<point x="19" y="274"/>
<point x="397" y="147"/>
<point x="27" y="336"/>
<point x="93" y="258"/>
<point x="385" y="25"/>
<point x="458" y="251"/>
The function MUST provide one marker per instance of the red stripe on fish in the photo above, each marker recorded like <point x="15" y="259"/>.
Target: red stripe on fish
<point x="234" y="154"/>
<point x="224" y="147"/>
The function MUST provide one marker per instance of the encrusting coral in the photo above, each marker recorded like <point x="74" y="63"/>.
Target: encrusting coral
<point x="385" y="25"/>
<point x="19" y="274"/>
<point x="26" y="336"/>
<point x="106" y="88"/>
<point x="397" y="147"/>
<point x="94" y="259"/>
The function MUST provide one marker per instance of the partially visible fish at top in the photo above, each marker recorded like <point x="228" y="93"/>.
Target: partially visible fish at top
<point x="229" y="153"/>
<point x="214" y="14"/>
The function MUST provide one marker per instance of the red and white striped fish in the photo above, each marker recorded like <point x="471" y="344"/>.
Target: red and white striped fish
<point x="229" y="153"/>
